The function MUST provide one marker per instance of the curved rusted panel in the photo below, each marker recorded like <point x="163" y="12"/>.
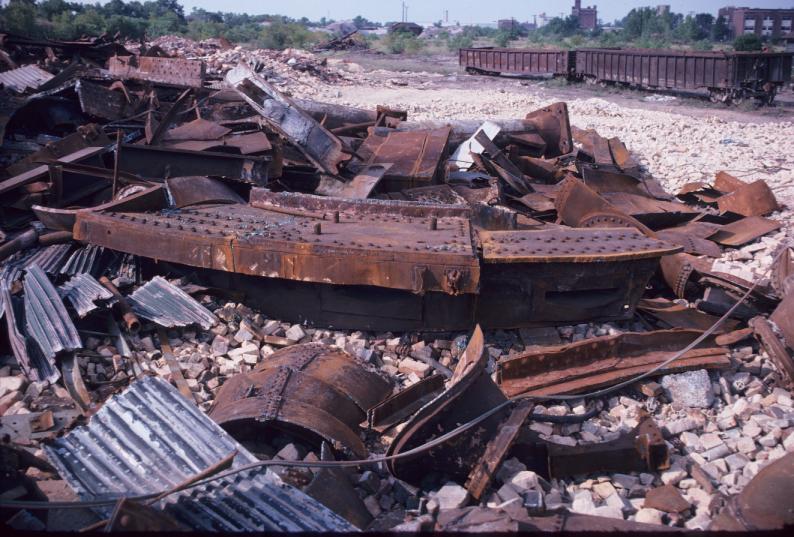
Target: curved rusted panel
<point x="470" y="393"/>
<point x="765" y="503"/>
<point x="334" y="367"/>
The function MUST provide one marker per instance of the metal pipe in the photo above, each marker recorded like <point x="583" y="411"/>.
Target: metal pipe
<point x="122" y="307"/>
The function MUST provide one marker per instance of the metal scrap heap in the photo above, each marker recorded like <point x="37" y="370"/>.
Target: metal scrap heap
<point x="226" y="309"/>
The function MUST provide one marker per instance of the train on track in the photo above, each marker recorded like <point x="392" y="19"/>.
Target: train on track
<point x="729" y="77"/>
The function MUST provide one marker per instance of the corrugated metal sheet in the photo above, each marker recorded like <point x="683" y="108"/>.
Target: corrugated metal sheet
<point x="49" y="259"/>
<point x="88" y="259"/>
<point x="150" y="438"/>
<point x="24" y="78"/>
<point x="83" y="291"/>
<point x="252" y="502"/>
<point x="169" y="306"/>
<point x="46" y="318"/>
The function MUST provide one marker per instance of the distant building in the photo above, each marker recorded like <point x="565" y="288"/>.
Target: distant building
<point x="510" y="25"/>
<point x="542" y="20"/>
<point x="770" y="23"/>
<point x="662" y="9"/>
<point x="588" y="16"/>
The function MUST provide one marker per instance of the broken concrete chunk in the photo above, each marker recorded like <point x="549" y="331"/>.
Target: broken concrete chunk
<point x="691" y="389"/>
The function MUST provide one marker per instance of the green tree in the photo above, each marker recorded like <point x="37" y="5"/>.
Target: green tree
<point x="19" y="17"/>
<point x="747" y="42"/>
<point x="459" y="40"/>
<point x="720" y="31"/>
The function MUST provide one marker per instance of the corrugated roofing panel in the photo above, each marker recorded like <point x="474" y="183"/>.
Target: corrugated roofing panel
<point x="46" y="318"/>
<point x="150" y="438"/>
<point x="169" y="306"/>
<point x="83" y="291"/>
<point x="24" y="78"/>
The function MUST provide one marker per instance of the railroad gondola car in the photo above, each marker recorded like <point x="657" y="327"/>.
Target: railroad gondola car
<point x="729" y="77"/>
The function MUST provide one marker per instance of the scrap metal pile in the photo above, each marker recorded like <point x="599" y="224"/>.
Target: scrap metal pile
<point x="184" y="259"/>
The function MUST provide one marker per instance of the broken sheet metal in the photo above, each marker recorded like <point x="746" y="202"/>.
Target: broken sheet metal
<point x="775" y="348"/>
<point x="84" y="293"/>
<point x="186" y="191"/>
<point x="35" y="366"/>
<point x="22" y="79"/>
<point x="322" y="148"/>
<point x="169" y="306"/>
<point x="673" y="315"/>
<point x="101" y="102"/>
<point x="150" y="439"/>
<point x="310" y="389"/>
<point x="86" y="136"/>
<point x="604" y="361"/>
<point x="753" y="199"/>
<point x="403" y="404"/>
<point x="470" y="393"/>
<point x="252" y="502"/>
<point x="743" y="231"/>
<point x="167" y="71"/>
<point x="46" y="320"/>
<point x="416" y="157"/>
<point x="764" y="503"/>
<point x="461" y="157"/>
<point x="359" y="187"/>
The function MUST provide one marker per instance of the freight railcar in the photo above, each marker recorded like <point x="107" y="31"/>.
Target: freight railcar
<point x="495" y="61"/>
<point x="728" y="76"/>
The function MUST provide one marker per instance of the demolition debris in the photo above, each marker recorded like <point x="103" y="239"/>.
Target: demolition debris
<point x="228" y="309"/>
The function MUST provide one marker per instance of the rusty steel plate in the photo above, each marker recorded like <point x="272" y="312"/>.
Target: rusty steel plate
<point x="745" y="230"/>
<point x="196" y="190"/>
<point x="334" y="367"/>
<point x="604" y="361"/>
<point x="384" y="250"/>
<point x="168" y="71"/>
<point x="571" y="245"/>
<point x="754" y="199"/>
<point x="415" y="156"/>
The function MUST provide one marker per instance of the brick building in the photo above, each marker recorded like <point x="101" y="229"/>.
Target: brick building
<point x="769" y="23"/>
<point x="588" y="16"/>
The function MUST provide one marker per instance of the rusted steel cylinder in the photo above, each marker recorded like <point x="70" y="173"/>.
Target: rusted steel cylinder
<point x="122" y="307"/>
<point x="55" y="237"/>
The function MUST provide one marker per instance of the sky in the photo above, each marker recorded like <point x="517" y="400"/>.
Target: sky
<point x="464" y="11"/>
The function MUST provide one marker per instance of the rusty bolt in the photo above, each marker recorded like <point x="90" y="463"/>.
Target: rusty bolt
<point x="318" y="228"/>
<point x="433" y="224"/>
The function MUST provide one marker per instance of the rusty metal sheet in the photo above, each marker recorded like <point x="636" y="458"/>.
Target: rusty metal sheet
<point x="403" y="404"/>
<point x="187" y="191"/>
<point x="470" y="393"/>
<point x="361" y="186"/>
<point x="595" y="145"/>
<point x="198" y="129"/>
<point x="726" y="183"/>
<point x="553" y="125"/>
<point x="322" y="148"/>
<point x="604" y="361"/>
<point x="753" y="199"/>
<point x="783" y="317"/>
<point x="337" y="368"/>
<point x="483" y="472"/>
<point x="159" y="163"/>
<point x="690" y="243"/>
<point x="653" y="213"/>
<point x="622" y="156"/>
<point x="99" y="101"/>
<point x="166" y="71"/>
<point x="416" y="157"/>
<point x="745" y="230"/>
<point x="764" y="503"/>
<point x="245" y="144"/>
<point x="578" y="205"/>
<point x="783" y="271"/>
<point x="571" y="246"/>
